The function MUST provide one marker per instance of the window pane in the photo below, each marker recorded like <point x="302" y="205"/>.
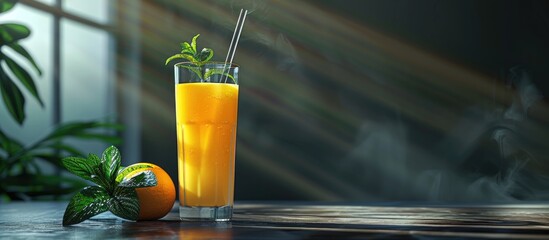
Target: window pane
<point x="38" y="120"/>
<point x="85" y="91"/>
<point x="49" y="2"/>
<point x="96" y="10"/>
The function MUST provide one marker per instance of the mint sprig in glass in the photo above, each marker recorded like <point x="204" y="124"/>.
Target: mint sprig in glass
<point x="198" y="60"/>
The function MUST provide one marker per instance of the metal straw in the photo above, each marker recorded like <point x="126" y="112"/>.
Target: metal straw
<point x="234" y="42"/>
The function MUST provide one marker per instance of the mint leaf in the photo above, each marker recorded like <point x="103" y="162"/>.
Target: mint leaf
<point x="82" y="167"/>
<point x="125" y="203"/>
<point x="193" y="43"/>
<point x="187" y="49"/>
<point x="205" y="55"/>
<point x="116" y="190"/>
<point x="145" y="178"/>
<point x="110" y="161"/>
<point x="127" y="170"/>
<point x="87" y="203"/>
<point x="190" y="58"/>
<point x="211" y="72"/>
<point x="195" y="69"/>
<point x="98" y="175"/>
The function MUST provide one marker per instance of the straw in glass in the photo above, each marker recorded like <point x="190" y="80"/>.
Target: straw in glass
<point x="234" y="41"/>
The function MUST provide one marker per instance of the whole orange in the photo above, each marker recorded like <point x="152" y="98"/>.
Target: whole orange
<point x="155" y="202"/>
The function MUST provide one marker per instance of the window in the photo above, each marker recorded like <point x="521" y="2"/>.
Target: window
<point x="71" y="42"/>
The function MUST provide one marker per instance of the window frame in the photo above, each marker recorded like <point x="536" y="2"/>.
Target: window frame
<point x="121" y="25"/>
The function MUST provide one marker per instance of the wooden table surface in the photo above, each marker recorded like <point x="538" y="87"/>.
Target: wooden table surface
<point x="42" y="220"/>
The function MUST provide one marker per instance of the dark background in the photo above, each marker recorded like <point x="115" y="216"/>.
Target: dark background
<point x="366" y="100"/>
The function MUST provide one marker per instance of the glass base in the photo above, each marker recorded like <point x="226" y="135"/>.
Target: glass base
<point x="218" y="214"/>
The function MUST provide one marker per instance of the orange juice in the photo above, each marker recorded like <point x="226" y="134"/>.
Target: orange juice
<point x="206" y="115"/>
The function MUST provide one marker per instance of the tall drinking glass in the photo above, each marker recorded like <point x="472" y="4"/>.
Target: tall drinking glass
<point x="206" y="103"/>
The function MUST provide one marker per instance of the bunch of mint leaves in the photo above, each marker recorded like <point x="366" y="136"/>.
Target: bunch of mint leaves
<point x="188" y="51"/>
<point x="115" y="189"/>
<point x="197" y="60"/>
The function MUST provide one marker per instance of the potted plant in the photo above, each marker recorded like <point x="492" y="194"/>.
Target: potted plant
<point x="21" y="175"/>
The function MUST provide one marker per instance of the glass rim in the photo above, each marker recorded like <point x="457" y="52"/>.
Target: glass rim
<point x="215" y="63"/>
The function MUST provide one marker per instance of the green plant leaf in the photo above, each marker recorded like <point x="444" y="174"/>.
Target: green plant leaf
<point x="10" y="145"/>
<point x="12" y="32"/>
<point x="6" y="5"/>
<point x="64" y="147"/>
<point x="52" y="158"/>
<point x="127" y="170"/>
<point x="205" y="55"/>
<point x="85" y="168"/>
<point x="5" y="142"/>
<point x="111" y="139"/>
<point x="70" y="129"/>
<point x="42" y="184"/>
<point x="146" y="178"/>
<point x="76" y="128"/>
<point x="217" y="71"/>
<point x="24" y="77"/>
<point x="110" y="161"/>
<point x="110" y="125"/>
<point x="4" y="197"/>
<point x="99" y="176"/>
<point x="181" y="55"/>
<point x="194" y="69"/>
<point x="187" y="49"/>
<point x="35" y="168"/>
<point x="125" y="203"/>
<point x="13" y="98"/>
<point x="87" y="203"/>
<point x="21" y="50"/>
<point x="193" y="43"/>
